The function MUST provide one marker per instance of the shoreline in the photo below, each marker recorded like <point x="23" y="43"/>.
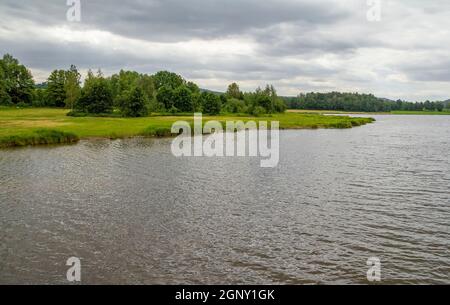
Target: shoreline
<point x="331" y="112"/>
<point x="49" y="126"/>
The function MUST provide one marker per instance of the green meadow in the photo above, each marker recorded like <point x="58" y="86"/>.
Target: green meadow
<point x="35" y="126"/>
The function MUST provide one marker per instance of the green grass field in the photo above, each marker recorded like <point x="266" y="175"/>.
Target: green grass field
<point x="32" y="126"/>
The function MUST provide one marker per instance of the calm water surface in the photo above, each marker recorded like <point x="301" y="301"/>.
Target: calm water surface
<point x="135" y="214"/>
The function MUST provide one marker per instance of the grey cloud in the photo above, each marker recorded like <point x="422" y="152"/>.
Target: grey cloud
<point x="291" y="43"/>
<point x="174" y="20"/>
<point x="428" y="71"/>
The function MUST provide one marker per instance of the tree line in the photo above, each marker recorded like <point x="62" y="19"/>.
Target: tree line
<point x="357" y="102"/>
<point x="133" y="94"/>
<point x="127" y="93"/>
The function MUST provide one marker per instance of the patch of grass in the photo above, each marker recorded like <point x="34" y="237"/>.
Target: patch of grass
<point x="38" y="137"/>
<point x="24" y="125"/>
<point x="77" y="114"/>
<point x="160" y="132"/>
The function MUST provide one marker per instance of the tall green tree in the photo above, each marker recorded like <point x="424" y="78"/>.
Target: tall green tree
<point x="211" y="103"/>
<point x="17" y="81"/>
<point x="72" y="87"/>
<point x="96" y="96"/>
<point x="56" y="90"/>
<point x="5" y="99"/>
<point x="182" y="99"/>
<point x="168" y="79"/>
<point x="165" y="96"/>
<point x="134" y="103"/>
<point x="147" y="84"/>
<point x="121" y="84"/>
<point x="234" y="92"/>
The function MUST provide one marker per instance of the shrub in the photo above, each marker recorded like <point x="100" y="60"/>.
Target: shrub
<point x="259" y="111"/>
<point x="235" y="106"/>
<point x="22" y="105"/>
<point x="157" y="132"/>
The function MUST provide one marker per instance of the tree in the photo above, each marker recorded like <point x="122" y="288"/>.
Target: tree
<point x="165" y="96"/>
<point x="210" y="103"/>
<point x="5" y="99"/>
<point x="56" y="90"/>
<point x="279" y="106"/>
<point x="263" y="99"/>
<point x="96" y="96"/>
<point x="72" y="87"/>
<point x="167" y="79"/>
<point x="440" y="106"/>
<point x="17" y="82"/>
<point x="121" y="85"/>
<point x="193" y="87"/>
<point x="134" y="103"/>
<point x="146" y="83"/>
<point x="182" y="99"/>
<point x="234" y="92"/>
<point x="235" y="106"/>
<point x="39" y="98"/>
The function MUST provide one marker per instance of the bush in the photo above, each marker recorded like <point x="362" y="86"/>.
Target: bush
<point x="22" y="105"/>
<point x="173" y="110"/>
<point x="259" y="111"/>
<point x="157" y="132"/>
<point x="279" y="106"/>
<point x="155" y="106"/>
<point x="235" y="106"/>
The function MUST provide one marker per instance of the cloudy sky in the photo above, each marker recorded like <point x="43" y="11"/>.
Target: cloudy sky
<point x="297" y="45"/>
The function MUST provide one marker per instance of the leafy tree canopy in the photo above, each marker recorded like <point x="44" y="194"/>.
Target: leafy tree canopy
<point x="168" y="79"/>
<point x="17" y="83"/>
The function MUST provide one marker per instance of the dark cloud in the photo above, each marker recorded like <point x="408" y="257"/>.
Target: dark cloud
<point x="174" y="20"/>
<point x="295" y="44"/>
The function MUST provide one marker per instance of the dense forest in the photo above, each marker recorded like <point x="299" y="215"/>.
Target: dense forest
<point x="133" y="94"/>
<point x="127" y="93"/>
<point x="356" y="102"/>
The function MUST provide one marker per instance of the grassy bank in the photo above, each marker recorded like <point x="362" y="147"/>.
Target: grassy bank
<point x="38" y="137"/>
<point x="31" y="126"/>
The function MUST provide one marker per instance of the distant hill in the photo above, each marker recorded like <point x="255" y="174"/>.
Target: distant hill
<point x="211" y="91"/>
<point x="41" y="86"/>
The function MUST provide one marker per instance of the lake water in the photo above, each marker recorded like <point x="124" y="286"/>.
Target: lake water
<point x="135" y="214"/>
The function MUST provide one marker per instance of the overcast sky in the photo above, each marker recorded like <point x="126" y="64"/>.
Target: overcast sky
<point x="297" y="45"/>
